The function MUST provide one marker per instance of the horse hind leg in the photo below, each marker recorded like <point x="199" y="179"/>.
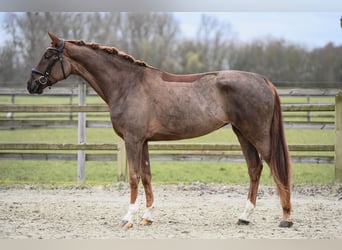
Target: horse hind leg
<point x="284" y="192"/>
<point x="254" y="170"/>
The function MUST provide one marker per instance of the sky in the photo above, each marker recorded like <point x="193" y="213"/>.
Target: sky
<point x="308" y="29"/>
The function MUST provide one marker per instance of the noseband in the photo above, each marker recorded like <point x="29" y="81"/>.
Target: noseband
<point x="44" y="79"/>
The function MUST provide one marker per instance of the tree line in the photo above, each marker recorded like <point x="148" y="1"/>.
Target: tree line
<point x="156" y="39"/>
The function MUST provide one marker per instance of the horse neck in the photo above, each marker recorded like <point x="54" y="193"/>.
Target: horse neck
<point x="109" y="75"/>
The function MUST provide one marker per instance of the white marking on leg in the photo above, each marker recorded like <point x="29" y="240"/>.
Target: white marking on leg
<point x="148" y="213"/>
<point x="248" y="211"/>
<point x="132" y="210"/>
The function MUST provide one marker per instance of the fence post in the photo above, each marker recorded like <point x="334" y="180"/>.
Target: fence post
<point x="338" y="137"/>
<point x="70" y="102"/>
<point x="81" y="132"/>
<point x="308" y="113"/>
<point x="122" y="161"/>
<point x="11" y="114"/>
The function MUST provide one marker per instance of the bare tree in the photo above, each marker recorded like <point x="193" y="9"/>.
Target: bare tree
<point x="214" y="38"/>
<point x="28" y="32"/>
<point x="210" y="51"/>
<point x="155" y="38"/>
<point x="8" y="65"/>
<point x="150" y="37"/>
<point x="327" y="63"/>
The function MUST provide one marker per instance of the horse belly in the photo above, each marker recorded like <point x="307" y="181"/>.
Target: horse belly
<point x="184" y="123"/>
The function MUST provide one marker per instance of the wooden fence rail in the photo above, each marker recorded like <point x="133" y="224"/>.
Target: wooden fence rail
<point x="104" y="108"/>
<point x="156" y="146"/>
<point x="301" y="116"/>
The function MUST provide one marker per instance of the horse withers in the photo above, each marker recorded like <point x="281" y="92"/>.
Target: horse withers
<point x="148" y="104"/>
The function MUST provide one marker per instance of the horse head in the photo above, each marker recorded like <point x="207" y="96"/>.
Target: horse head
<point x="47" y="72"/>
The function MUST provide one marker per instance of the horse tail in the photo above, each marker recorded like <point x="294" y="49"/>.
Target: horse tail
<point x="280" y="162"/>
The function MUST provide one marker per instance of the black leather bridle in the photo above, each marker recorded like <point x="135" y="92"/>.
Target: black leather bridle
<point x="44" y="79"/>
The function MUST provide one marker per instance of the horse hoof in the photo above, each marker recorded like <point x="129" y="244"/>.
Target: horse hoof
<point x="145" y="222"/>
<point x="126" y="225"/>
<point x="242" y="222"/>
<point x="285" y="223"/>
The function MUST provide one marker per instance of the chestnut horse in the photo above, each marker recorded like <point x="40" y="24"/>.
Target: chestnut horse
<point x="148" y="104"/>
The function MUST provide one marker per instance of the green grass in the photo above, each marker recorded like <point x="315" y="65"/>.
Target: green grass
<point x="106" y="135"/>
<point x="64" y="172"/>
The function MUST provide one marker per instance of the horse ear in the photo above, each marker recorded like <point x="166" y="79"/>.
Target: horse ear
<point x="55" y="40"/>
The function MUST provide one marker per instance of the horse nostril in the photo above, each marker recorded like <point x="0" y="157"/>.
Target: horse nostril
<point x="31" y="87"/>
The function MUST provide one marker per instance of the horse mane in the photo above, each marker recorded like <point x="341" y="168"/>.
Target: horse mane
<point x="111" y="51"/>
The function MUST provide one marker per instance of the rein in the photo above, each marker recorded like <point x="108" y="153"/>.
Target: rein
<point x="44" y="79"/>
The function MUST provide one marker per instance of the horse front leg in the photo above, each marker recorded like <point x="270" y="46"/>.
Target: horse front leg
<point x="146" y="178"/>
<point x="134" y="156"/>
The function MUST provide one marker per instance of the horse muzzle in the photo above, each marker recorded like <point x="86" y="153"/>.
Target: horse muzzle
<point x="37" y="86"/>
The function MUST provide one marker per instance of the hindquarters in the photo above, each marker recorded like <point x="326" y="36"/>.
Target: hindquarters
<point x="253" y="107"/>
<point x="249" y="104"/>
